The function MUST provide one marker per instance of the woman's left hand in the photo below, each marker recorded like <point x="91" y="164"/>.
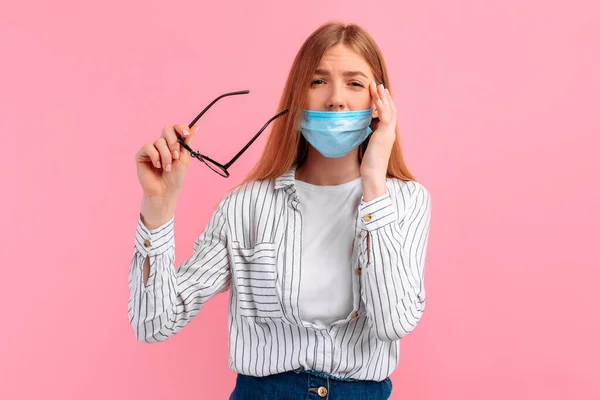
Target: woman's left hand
<point x="373" y="168"/>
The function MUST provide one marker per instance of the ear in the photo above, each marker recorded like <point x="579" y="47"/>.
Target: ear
<point x="374" y="115"/>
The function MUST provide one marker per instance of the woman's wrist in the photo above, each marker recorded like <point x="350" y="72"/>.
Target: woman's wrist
<point x="373" y="186"/>
<point x="157" y="211"/>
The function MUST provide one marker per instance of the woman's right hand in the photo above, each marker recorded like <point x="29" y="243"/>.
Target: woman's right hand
<point x="161" y="165"/>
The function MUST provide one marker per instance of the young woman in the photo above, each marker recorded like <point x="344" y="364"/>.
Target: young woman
<point x="322" y="246"/>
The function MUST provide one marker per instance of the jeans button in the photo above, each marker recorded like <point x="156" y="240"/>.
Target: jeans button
<point x="322" y="391"/>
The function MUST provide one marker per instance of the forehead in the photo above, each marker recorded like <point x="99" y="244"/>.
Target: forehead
<point x="342" y="57"/>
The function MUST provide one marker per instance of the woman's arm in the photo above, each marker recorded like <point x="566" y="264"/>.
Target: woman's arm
<point x="393" y="248"/>
<point x="161" y="305"/>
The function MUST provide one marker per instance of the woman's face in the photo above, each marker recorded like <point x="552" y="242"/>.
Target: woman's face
<point x="341" y="82"/>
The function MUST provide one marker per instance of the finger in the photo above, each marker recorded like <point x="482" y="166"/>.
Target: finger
<point x="148" y="153"/>
<point x="170" y="137"/>
<point x="165" y="153"/>
<point x="382" y="94"/>
<point x="188" y="139"/>
<point x="374" y="94"/>
<point x="391" y="102"/>
<point x="186" y="133"/>
<point x="382" y="104"/>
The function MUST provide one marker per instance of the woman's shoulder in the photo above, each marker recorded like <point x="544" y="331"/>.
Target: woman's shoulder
<point x="250" y="191"/>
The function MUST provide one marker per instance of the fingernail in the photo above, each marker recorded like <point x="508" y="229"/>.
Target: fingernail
<point x="175" y="154"/>
<point x="374" y="84"/>
<point x="158" y="164"/>
<point x="185" y="132"/>
<point x="196" y="130"/>
<point x="387" y="91"/>
<point x="168" y="168"/>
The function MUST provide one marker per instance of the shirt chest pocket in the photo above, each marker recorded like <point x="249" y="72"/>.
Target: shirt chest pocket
<point x="255" y="272"/>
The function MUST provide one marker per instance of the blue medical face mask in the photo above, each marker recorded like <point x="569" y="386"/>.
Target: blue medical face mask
<point x="336" y="133"/>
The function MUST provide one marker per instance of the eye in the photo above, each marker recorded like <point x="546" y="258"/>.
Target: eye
<point x="356" y="84"/>
<point x="317" y="81"/>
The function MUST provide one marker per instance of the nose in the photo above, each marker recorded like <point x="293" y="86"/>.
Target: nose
<point x="335" y="106"/>
<point x="335" y="102"/>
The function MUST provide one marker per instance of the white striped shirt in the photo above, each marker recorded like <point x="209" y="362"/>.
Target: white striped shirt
<point x="252" y="245"/>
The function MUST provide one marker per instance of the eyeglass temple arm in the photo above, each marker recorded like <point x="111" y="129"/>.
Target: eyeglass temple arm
<point x="188" y="148"/>
<point x="251" y="140"/>
<point x="213" y="102"/>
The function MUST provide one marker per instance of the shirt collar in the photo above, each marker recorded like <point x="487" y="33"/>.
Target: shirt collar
<point x="287" y="179"/>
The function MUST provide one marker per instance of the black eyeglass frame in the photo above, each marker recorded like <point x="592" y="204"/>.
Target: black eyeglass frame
<point x="222" y="169"/>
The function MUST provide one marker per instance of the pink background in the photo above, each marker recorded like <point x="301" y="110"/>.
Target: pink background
<point x="498" y="107"/>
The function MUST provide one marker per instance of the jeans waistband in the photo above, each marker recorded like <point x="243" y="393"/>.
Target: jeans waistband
<point x="321" y="374"/>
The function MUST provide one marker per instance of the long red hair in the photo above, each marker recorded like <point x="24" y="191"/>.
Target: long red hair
<point x="285" y="146"/>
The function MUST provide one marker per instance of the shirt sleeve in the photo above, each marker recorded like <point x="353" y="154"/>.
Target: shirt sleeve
<point x="173" y="296"/>
<point x="393" y="249"/>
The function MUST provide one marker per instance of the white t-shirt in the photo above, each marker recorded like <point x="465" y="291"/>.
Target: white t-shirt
<point x="329" y="215"/>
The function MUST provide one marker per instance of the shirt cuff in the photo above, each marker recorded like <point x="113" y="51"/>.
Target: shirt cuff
<point x="156" y="241"/>
<point x="377" y="213"/>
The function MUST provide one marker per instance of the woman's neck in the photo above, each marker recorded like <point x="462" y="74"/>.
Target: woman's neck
<point x="320" y="170"/>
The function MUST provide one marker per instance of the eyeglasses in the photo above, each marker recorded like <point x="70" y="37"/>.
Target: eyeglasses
<point x="222" y="169"/>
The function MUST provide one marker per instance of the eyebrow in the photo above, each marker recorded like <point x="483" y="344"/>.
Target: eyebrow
<point x="324" y="72"/>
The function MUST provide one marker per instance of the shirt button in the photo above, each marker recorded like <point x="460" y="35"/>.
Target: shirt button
<point x="357" y="271"/>
<point x="322" y="391"/>
<point x="147" y="243"/>
<point x="354" y="314"/>
<point x="367" y="218"/>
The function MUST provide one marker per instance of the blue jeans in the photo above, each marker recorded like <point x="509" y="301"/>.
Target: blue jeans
<point x="306" y="385"/>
